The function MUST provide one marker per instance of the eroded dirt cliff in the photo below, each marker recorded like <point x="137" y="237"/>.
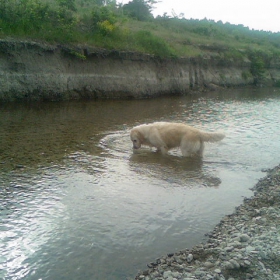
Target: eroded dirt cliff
<point x="39" y="71"/>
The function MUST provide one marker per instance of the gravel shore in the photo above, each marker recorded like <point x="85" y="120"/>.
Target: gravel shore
<point x="244" y="245"/>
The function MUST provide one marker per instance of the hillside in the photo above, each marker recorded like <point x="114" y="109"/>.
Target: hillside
<point x="130" y="27"/>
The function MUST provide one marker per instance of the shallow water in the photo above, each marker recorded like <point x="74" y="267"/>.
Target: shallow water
<point x="77" y="203"/>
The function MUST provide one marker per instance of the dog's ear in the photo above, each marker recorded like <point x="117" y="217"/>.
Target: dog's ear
<point x="140" y="136"/>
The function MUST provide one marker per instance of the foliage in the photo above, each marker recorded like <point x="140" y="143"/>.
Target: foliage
<point x="75" y="54"/>
<point x="68" y="4"/>
<point x="102" y="13"/>
<point x="131" y="27"/>
<point x="105" y="27"/>
<point x="257" y="68"/>
<point x="138" y="9"/>
<point x="246" y="75"/>
<point x="35" y="18"/>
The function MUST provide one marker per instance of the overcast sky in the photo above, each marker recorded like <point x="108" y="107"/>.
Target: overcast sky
<point x="256" y="14"/>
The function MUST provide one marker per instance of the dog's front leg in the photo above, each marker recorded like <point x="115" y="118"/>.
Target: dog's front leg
<point x="163" y="150"/>
<point x="156" y="141"/>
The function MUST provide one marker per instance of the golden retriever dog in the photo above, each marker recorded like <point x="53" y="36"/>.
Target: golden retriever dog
<point x="166" y="135"/>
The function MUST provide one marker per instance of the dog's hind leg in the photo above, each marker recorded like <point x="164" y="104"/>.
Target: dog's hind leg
<point x="191" y="148"/>
<point x="201" y="149"/>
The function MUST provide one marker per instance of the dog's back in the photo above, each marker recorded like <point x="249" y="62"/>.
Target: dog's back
<point x="172" y="133"/>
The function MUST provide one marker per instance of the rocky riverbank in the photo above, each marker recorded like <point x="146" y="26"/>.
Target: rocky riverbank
<point x="244" y="245"/>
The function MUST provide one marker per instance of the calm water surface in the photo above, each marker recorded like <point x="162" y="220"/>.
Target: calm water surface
<point x="76" y="203"/>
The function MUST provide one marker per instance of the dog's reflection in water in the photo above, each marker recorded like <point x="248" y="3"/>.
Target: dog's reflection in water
<point x="173" y="168"/>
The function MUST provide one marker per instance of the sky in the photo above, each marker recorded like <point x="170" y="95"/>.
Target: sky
<point x="255" y="14"/>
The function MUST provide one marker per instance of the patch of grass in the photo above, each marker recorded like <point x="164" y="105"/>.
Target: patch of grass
<point x="106" y="26"/>
<point x="152" y="44"/>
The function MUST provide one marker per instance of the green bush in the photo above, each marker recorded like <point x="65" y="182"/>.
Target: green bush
<point x="138" y="9"/>
<point x="36" y="19"/>
<point x="246" y="75"/>
<point x="257" y="68"/>
<point x="277" y="83"/>
<point x="100" y="14"/>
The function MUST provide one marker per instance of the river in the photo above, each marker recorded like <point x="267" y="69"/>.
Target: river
<point x="77" y="203"/>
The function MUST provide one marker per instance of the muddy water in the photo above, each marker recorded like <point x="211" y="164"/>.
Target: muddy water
<point x="76" y="203"/>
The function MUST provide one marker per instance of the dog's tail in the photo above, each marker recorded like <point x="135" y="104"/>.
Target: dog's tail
<point x="211" y="136"/>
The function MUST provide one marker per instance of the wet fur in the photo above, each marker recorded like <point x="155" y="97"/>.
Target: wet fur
<point x="166" y="135"/>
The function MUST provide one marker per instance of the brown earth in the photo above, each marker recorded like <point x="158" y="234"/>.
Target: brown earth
<point x="39" y="71"/>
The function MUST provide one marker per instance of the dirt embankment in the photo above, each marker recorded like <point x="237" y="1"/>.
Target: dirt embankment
<point x="37" y="71"/>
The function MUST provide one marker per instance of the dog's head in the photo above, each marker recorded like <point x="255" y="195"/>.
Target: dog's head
<point x="136" y="138"/>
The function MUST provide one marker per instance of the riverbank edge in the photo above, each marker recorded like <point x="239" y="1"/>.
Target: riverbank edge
<point x="244" y="245"/>
<point x="37" y="71"/>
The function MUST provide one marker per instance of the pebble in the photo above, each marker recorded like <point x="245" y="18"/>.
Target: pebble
<point x="249" y="238"/>
<point x="189" y="258"/>
<point x="244" y="238"/>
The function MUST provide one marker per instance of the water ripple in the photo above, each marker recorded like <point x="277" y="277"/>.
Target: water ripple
<point x="75" y="198"/>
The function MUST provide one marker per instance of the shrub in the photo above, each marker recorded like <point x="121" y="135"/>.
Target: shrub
<point x="101" y="14"/>
<point x="138" y="9"/>
<point x="257" y="68"/>
<point x="105" y="27"/>
<point x="246" y="75"/>
<point x="35" y="18"/>
<point x="277" y="83"/>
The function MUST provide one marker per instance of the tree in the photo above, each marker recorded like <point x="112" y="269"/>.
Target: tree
<point x="257" y="68"/>
<point x="99" y="2"/>
<point x="139" y="9"/>
<point x="68" y="4"/>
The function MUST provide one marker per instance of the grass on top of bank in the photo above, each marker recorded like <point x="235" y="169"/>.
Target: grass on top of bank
<point x="106" y="24"/>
